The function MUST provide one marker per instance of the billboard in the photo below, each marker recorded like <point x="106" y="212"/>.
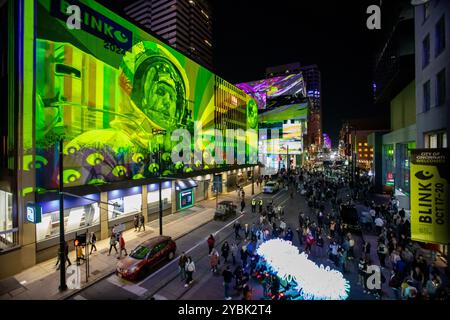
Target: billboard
<point x="264" y="90"/>
<point x="292" y="131"/>
<point x="115" y="94"/>
<point x="430" y="195"/>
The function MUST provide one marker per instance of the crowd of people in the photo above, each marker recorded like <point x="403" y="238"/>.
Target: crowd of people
<point x="326" y="232"/>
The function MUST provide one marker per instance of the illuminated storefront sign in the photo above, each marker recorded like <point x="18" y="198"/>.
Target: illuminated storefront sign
<point x="186" y="199"/>
<point x="34" y="213"/>
<point x="430" y="195"/>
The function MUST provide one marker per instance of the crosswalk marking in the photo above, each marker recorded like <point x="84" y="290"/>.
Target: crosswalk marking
<point x="133" y="288"/>
<point x="79" y="297"/>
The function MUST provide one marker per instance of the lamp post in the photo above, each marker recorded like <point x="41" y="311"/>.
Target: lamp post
<point x="160" y="135"/>
<point x="62" y="241"/>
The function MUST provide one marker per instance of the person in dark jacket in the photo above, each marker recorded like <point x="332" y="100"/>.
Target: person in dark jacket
<point x="225" y="251"/>
<point x="227" y="279"/>
<point x="211" y="241"/>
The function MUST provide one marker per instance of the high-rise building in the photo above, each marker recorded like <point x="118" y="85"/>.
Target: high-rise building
<point x="185" y="24"/>
<point x="311" y="74"/>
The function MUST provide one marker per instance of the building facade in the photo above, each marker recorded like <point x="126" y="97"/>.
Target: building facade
<point x="126" y="113"/>
<point x="432" y="31"/>
<point x="185" y="24"/>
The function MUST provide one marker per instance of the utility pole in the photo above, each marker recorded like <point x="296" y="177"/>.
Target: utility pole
<point x="160" y="135"/>
<point x="62" y="241"/>
<point x="253" y="181"/>
<point x="160" y="192"/>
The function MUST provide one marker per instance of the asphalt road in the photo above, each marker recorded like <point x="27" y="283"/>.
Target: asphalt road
<point x="165" y="283"/>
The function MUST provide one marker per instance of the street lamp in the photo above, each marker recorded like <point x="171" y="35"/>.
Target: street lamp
<point x="160" y="135"/>
<point x="62" y="241"/>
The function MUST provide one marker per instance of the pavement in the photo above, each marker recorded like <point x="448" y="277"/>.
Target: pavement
<point x="41" y="281"/>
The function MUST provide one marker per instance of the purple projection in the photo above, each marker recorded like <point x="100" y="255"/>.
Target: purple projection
<point x="326" y="141"/>
<point x="265" y="89"/>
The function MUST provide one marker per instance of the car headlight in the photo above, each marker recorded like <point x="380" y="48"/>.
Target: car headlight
<point x="133" y="269"/>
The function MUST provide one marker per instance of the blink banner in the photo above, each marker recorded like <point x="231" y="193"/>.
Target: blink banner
<point x="430" y="196"/>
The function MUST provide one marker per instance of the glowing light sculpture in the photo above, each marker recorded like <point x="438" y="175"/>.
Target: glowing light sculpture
<point x="313" y="282"/>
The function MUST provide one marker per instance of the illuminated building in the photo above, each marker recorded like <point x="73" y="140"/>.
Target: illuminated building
<point x="283" y="109"/>
<point x="114" y="95"/>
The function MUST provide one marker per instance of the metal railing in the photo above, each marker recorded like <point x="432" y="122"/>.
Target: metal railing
<point x="9" y="239"/>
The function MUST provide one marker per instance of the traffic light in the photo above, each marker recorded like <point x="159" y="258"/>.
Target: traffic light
<point x="80" y="240"/>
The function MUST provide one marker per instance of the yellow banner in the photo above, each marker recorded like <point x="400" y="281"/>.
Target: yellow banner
<point x="430" y="196"/>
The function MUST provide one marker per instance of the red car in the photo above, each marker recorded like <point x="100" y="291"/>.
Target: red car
<point x="145" y="256"/>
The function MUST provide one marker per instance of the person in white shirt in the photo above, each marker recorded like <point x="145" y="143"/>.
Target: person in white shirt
<point x="379" y="223"/>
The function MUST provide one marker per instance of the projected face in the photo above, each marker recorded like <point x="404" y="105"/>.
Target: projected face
<point x="162" y="92"/>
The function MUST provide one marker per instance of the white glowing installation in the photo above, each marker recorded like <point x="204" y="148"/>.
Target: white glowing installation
<point x="313" y="282"/>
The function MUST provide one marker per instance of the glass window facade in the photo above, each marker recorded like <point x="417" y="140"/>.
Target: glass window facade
<point x="440" y="36"/>
<point x="426" y="51"/>
<point x="403" y="159"/>
<point x="76" y="218"/>
<point x="388" y="165"/>
<point x="153" y="197"/>
<point x="426" y="96"/>
<point x="124" y="206"/>
<point x="440" y="88"/>
<point x="6" y="211"/>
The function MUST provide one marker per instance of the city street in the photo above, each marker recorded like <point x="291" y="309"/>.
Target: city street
<point x="165" y="282"/>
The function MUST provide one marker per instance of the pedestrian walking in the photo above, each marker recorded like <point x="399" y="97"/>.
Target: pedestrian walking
<point x="92" y="242"/>
<point x="382" y="251"/>
<point x="253" y="205"/>
<point x="234" y="251"/>
<point x="227" y="279"/>
<point x="141" y="222"/>
<point x="214" y="260"/>
<point x="211" y="241"/>
<point x="260" y="205"/>
<point x="66" y="256"/>
<point x="122" y="246"/>
<point x="113" y="243"/>
<point x="136" y="222"/>
<point x="182" y="265"/>
<point x="242" y="205"/>
<point x="237" y="229"/>
<point x="225" y="251"/>
<point x="190" y="269"/>
<point x="244" y="256"/>
<point x="246" y="230"/>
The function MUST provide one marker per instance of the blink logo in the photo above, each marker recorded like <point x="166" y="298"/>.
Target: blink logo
<point x="78" y="16"/>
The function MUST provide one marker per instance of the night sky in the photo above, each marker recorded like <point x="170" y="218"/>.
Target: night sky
<point x="250" y="35"/>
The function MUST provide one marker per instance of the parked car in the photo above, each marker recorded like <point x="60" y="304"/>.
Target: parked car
<point x="146" y="256"/>
<point x="224" y="210"/>
<point x="271" y="187"/>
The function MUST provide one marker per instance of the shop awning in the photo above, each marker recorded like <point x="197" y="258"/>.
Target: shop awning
<point x="181" y="185"/>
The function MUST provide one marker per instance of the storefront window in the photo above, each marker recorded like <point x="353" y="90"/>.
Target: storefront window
<point x="6" y="212"/>
<point x="388" y="164"/>
<point x="75" y="219"/>
<point x="153" y="197"/>
<point x="124" y="206"/>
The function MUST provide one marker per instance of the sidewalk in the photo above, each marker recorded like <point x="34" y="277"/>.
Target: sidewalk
<point x="41" y="281"/>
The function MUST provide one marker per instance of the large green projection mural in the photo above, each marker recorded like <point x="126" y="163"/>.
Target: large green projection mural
<point x="114" y="94"/>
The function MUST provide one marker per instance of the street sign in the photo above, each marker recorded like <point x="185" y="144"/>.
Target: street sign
<point x="33" y="213"/>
